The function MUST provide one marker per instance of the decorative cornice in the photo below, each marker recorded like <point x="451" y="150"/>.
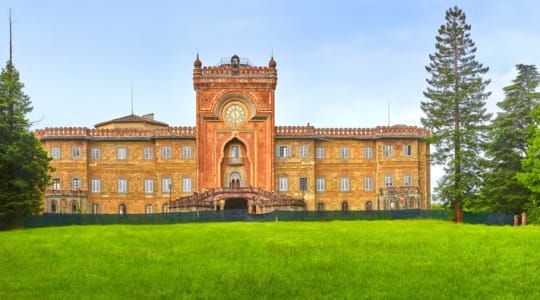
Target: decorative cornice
<point x="114" y="133"/>
<point x="396" y="131"/>
<point x="402" y="131"/>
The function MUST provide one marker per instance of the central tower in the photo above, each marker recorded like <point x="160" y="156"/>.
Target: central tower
<point x="235" y="124"/>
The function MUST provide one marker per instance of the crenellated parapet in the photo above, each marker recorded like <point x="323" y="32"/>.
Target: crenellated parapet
<point x="295" y="130"/>
<point x="114" y="133"/>
<point x="236" y="67"/>
<point x="243" y="70"/>
<point x="377" y="132"/>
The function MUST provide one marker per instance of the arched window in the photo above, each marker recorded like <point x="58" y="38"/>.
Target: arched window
<point x="320" y="206"/>
<point x="345" y="206"/>
<point x="235" y="180"/>
<point x="95" y="208"/>
<point x="369" y="205"/>
<point x="53" y="206"/>
<point x="73" y="206"/>
<point x="122" y="209"/>
<point x="165" y="208"/>
<point x="148" y="209"/>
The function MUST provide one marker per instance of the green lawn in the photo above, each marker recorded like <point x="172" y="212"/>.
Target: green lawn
<point x="275" y="260"/>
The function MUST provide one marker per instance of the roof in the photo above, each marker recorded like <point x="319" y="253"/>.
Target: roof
<point x="147" y="119"/>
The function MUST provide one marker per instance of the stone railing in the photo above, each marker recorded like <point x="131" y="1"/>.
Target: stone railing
<point x="66" y="193"/>
<point x="206" y="198"/>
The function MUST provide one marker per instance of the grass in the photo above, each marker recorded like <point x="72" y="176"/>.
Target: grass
<point x="277" y="260"/>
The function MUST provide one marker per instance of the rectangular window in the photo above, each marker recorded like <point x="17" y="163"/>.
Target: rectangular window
<point x="95" y="154"/>
<point x="76" y="152"/>
<point x="344" y="183"/>
<point x="368" y="153"/>
<point x="122" y="185"/>
<point x="388" y="150"/>
<point x="368" y="183"/>
<point x="96" y="185"/>
<point x="344" y="152"/>
<point x="148" y="186"/>
<point x="407" y="150"/>
<point x="56" y="152"/>
<point x="56" y="184"/>
<point x="319" y="153"/>
<point x="283" y="151"/>
<point x="148" y="153"/>
<point x="320" y="184"/>
<point x="186" y="185"/>
<point x="166" y="185"/>
<point x="187" y="152"/>
<point x="121" y="153"/>
<point x="407" y="180"/>
<point x="388" y="180"/>
<point x="283" y="184"/>
<point x="76" y="184"/>
<point x="235" y="152"/>
<point x="303" y="151"/>
<point x="166" y="152"/>
<point x="303" y="184"/>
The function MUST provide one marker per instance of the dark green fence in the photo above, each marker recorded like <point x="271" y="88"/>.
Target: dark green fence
<point x="241" y="215"/>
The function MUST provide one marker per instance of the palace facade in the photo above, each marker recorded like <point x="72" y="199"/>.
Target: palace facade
<point x="234" y="158"/>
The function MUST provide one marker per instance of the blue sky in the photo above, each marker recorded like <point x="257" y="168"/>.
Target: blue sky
<point x="340" y="63"/>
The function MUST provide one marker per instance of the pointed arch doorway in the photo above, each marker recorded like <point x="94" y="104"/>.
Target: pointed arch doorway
<point x="235" y="180"/>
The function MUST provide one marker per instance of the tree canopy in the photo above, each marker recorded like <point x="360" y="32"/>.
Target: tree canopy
<point x="508" y="135"/>
<point x="24" y="165"/>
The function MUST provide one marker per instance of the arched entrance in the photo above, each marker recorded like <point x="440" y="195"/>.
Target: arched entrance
<point x="235" y="180"/>
<point x="236" y="203"/>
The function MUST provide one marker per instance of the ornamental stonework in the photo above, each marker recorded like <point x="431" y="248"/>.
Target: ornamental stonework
<point x="234" y="157"/>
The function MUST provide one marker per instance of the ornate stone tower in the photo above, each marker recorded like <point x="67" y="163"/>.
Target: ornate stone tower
<point x="235" y="124"/>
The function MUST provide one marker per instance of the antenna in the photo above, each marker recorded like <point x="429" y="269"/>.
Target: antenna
<point x="132" y="99"/>
<point x="10" y="39"/>
<point x="388" y="112"/>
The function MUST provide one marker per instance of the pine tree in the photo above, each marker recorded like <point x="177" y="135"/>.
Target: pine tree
<point x="508" y="135"/>
<point x="24" y="165"/>
<point x="455" y="111"/>
<point x="530" y="176"/>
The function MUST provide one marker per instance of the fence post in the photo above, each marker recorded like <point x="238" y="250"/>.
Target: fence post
<point x="516" y="220"/>
<point x="523" y="218"/>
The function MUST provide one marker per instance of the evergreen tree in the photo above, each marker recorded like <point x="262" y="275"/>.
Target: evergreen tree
<point x="530" y="176"/>
<point x="24" y="165"/>
<point x="455" y="111"/>
<point x="508" y="135"/>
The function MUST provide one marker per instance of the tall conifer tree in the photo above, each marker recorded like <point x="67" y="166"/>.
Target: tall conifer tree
<point x="455" y="110"/>
<point x="508" y="135"/>
<point x="24" y="165"/>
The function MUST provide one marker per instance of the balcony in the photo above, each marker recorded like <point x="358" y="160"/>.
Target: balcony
<point x="235" y="161"/>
